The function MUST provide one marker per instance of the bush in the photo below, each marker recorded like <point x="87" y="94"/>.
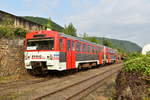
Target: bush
<point x="139" y="63"/>
<point x="9" y="32"/>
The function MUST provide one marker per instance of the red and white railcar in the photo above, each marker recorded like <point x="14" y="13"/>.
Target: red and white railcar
<point x="51" y="50"/>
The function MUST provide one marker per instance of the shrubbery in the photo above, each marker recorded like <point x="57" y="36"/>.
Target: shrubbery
<point x="9" y="32"/>
<point x="139" y="63"/>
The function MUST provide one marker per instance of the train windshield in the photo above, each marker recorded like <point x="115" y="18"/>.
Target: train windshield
<point x="40" y="44"/>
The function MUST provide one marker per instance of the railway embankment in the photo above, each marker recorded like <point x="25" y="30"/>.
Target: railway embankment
<point x="11" y="58"/>
<point x="133" y="82"/>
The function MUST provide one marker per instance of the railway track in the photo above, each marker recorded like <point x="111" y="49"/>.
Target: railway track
<point x="64" y="88"/>
<point x="79" y="89"/>
<point x="4" y="86"/>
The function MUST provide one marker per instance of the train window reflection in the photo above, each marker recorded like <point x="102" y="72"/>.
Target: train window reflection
<point x="40" y="44"/>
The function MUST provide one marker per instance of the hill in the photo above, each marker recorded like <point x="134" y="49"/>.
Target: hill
<point x="127" y="46"/>
<point x="44" y="21"/>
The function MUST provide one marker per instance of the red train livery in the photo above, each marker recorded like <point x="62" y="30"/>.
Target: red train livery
<point x="51" y="50"/>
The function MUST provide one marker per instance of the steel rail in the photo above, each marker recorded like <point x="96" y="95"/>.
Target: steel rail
<point x="74" y="84"/>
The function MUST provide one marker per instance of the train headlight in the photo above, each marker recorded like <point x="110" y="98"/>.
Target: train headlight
<point x="27" y="57"/>
<point x="49" y="57"/>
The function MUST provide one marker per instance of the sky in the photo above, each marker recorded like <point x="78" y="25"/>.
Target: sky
<point x="118" y="19"/>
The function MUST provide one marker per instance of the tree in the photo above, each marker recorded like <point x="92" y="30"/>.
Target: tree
<point x="70" y="30"/>
<point x="49" y="23"/>
<point x="85" y="36"/>
<point x="93" y="39"/>
<point x="107" y="42"/>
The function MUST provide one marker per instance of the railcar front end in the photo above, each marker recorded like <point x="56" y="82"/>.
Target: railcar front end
<point x="41" y="53"/>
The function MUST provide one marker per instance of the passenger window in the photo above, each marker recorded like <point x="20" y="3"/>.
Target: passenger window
<point x="97" y="51"/>
<point x="89" y="48"/>
<point x="81" y="47"/>
<point x="84" y="47"/>
<point x="78" y="46"/>
<point x="73" y="46"/>
<point x="60" y="44"/>
<point x="68" y="45"/>
<point x="93" y="50"/>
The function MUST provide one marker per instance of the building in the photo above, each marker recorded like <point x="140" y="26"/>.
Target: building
<point x="21" y="22"/>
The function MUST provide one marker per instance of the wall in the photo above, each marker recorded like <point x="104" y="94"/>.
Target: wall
<point x="11" y="57"/>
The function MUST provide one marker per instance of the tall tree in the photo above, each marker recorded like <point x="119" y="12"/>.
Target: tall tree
<point x="70" y="30"/>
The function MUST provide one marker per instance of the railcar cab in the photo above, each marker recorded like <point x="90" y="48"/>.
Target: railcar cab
<point x="41" y="50"/>
<point x="41" y="41"/>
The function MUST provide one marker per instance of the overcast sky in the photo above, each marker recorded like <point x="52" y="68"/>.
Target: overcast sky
<point x="119" y="19"/>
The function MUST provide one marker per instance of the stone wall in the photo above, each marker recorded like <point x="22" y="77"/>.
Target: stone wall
<point x="11" y="57"/>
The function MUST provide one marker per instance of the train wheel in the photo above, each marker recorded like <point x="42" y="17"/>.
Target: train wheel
<point x="38" y="71"/>
<point x="79" y="67"/>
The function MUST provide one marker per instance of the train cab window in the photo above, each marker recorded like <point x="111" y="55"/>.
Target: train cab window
<point x="84" y="47"/>
<point x="78" y="46"/>
<point x="89" y="48"/>
<point x="68" y="45"/>
<point x="40" y="44"/>
<point x="60" y="44"/>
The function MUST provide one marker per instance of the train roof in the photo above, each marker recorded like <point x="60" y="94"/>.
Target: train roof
<point x="69" y="36"/>
<point x="78" y="38"/>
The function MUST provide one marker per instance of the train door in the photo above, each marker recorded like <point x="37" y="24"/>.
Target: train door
<point x="70" y="59"/>
<point x="100" y="58"/>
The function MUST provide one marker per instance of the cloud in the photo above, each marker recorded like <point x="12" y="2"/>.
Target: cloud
<point x="122" y="19"/>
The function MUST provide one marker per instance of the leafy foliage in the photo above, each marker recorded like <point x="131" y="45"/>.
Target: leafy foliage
<point x="7" y="30"/>
<point x="49" y="23"/>
<point x="107" y="42"/>
<point x="124" y="46"/>
<point x="70" y="30"/>
<point x="139" y="63"/>
<point x="10" y="32"/>
<point x="92" y="39"/>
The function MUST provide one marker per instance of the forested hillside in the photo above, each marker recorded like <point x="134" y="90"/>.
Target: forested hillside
<point x="45" y="21"/>
<point x="127" y="46"/>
